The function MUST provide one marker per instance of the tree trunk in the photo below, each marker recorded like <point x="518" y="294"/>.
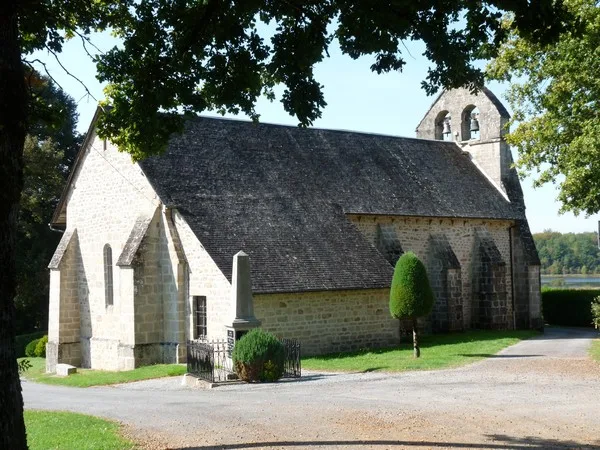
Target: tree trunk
<point x="12" y="137"/>
<point x="417" y="350"/>
<point x="400" y="329"/>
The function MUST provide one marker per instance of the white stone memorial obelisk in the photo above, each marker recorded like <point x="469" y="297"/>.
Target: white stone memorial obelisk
<point x="242" y="304"/>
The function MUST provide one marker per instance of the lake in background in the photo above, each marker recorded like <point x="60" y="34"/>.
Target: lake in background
<point x="572" y="281"/>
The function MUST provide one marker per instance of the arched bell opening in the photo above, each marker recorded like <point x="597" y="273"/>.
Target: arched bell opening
<point x="470" y="123"/>
<point x="443" y="126"/>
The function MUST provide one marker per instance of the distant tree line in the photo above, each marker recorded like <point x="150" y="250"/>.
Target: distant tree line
<point x="567" y="253"/>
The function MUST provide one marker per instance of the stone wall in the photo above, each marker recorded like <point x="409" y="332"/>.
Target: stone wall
<point x="489" y="151"/>
<point x="536" y="321"/>
<point x="158" y="325"/>
<point x="520" y="274"/>
<point x="446" y="282"/>
<point x="125" y="351"/>
<point x="491" y="306"/>
<point x="414" y="234"/>
<point x="64" y="327"/>
<point x="148" y="303"/>
<point x="331" y="321"/>
<point x="107" y="194"/>
<point x="174" y="273"/>
<point x="492" y="156"/>
<point x="205" y="279"/>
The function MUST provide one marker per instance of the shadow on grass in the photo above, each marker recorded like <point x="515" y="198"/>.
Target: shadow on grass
<point x="500" y="442"/>
<point x="435" y="340"/>
<point x="490" y="355"/>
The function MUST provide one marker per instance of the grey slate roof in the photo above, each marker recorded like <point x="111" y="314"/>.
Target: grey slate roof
<point x="280" y="194"/>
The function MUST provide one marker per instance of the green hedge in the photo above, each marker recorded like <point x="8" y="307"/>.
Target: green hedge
<point x="568" y="307"/>
<point x="22" y="340"/>
<point x="40" y="347"/>
<point x="258" y="356"/>
<point x="30" y="348"/>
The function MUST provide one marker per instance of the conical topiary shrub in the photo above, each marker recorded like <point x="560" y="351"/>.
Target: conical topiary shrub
<point x="258" y="356"/>
<point x="411" y="295"/>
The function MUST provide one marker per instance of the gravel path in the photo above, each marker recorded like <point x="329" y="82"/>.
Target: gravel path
<point x="540" y="393"/>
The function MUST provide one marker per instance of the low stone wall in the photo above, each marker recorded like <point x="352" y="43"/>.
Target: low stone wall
<point x="327" y="322"/>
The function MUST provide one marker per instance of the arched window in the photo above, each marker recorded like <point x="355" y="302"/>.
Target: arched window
<point x="443" y="126"/>
<point x="108" y="275"/>
<point x="470" y="123"/>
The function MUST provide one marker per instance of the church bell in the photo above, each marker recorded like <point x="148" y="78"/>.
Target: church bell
<point x="474" y="123"/>
<point x="446" y="130"/>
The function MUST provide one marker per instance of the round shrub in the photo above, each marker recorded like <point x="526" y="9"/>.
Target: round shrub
<point x="258" y="356"/>
<point x="30" y="349"/>
<point x="410" y="295"/>
<point x="22" y="340"/>
<point x="40" y="348"/>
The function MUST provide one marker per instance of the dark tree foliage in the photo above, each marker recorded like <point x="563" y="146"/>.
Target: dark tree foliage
<point x="53" y="116"/>
<point x="50" y="148"/>
<point x="555" y="97"/>
<point x="196" y="55"/>
<point x="191" y="55"/>
<point x="568" y="253"/>
<point x="411" y="296"/>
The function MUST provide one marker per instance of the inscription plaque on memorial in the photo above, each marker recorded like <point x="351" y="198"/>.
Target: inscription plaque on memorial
<point x="230" y="341"/>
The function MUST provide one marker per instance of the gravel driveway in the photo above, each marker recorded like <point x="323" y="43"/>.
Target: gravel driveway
<point x="540" y="393"/>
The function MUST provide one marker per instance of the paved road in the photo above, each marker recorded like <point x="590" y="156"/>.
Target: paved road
<point x="540" y="393"/>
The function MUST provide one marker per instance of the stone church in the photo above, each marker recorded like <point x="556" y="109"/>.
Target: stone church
<point x="147" y="255"/>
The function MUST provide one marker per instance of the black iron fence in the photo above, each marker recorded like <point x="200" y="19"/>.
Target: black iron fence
<point x="209" y="360"/>
<point x="200" y="359"/>
<point x="291" y="364"/>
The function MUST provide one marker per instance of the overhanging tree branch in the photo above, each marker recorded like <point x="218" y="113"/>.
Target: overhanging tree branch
<point x="70" y="74"/>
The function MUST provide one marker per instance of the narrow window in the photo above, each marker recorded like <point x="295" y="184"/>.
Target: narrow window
<point x="108" y="276"/>
<point x="200" y="312"/>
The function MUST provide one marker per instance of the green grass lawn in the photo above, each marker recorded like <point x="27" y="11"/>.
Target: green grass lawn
<point x="595" y="349"/>
<point x="437" y="352"/>
<point x="69" y="431"/>
<point x="86" y="377"/>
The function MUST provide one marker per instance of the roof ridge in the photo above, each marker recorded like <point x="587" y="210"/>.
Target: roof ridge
<point x="295" y="127"/>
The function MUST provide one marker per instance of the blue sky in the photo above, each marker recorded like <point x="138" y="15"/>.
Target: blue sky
<point x="357" y="100"/>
